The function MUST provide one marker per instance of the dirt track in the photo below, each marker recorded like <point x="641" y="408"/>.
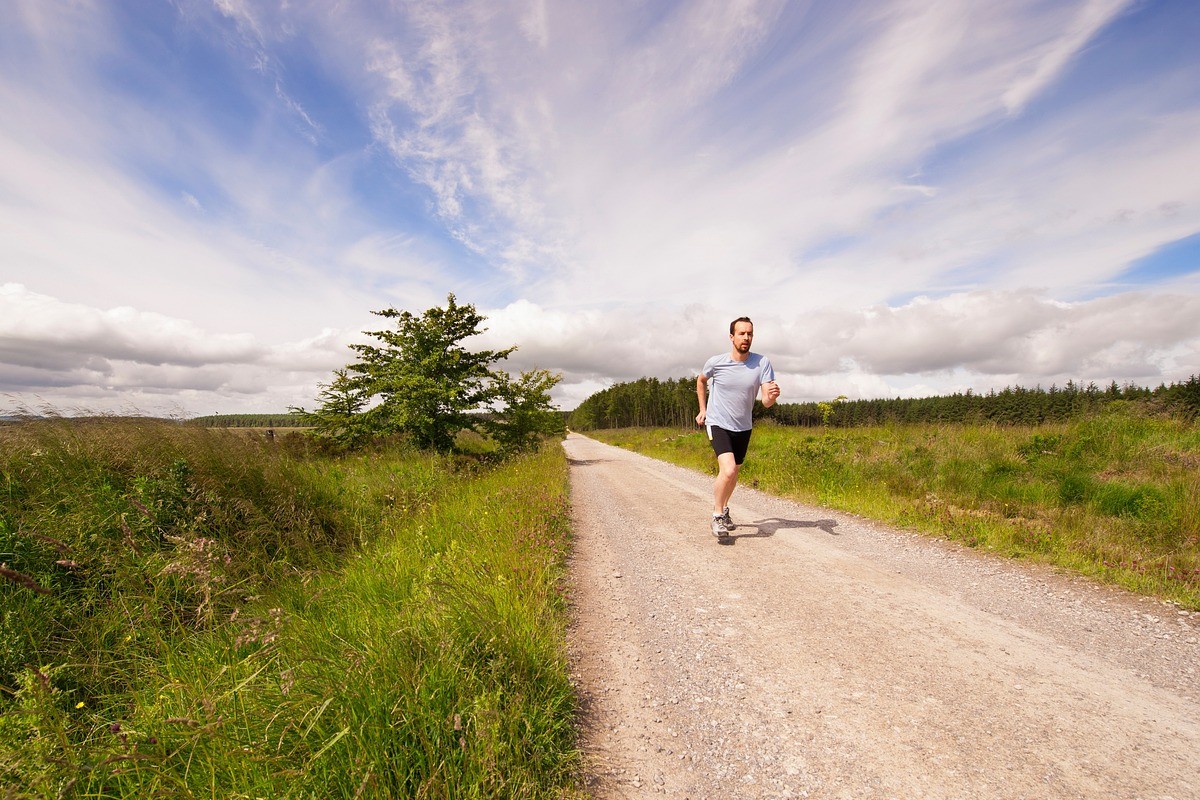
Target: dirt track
<point x="818" y="655"/>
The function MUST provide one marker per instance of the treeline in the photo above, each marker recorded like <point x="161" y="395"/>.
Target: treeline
<point x="644" y="403"/>
<point x="649" y="402"/>
<point x="279" y="420"/>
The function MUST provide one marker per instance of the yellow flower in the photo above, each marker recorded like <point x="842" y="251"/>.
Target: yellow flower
<point x="80" y="704"/>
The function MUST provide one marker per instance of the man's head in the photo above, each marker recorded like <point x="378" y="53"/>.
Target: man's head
<point x="741" y="333"/>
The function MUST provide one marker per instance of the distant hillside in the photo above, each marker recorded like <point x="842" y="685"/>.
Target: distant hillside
<point x="282" y="420"/>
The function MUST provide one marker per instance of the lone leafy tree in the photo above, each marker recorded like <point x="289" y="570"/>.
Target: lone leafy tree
<point x="420" y="380"/>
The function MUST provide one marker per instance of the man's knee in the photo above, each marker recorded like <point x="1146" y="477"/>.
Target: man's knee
<point x="728" y="466"/>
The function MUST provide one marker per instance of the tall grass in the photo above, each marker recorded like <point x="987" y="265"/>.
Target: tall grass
<point x="1114" y="496"/>
<point x="237" y="620"/>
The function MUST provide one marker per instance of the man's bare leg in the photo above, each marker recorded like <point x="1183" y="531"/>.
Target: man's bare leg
<point x="726" y="480"/>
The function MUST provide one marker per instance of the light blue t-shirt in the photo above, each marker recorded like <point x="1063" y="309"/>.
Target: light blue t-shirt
<point x="732" y="388"/>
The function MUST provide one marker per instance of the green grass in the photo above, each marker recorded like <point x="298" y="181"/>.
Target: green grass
<point x="1115" y="496"/>
<point x="247" y="620"/>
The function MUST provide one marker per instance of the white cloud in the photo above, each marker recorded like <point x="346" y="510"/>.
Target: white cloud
<point x="1088" y="20"/>
<point x="625" y="181"/>
<point x="120" y="358"/>
<point x="121" y="333"/>
<point x="1023" y="333"/>
<point x="244" y="15"/>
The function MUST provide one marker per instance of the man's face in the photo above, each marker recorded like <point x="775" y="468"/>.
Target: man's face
<point x="742" y="336"/>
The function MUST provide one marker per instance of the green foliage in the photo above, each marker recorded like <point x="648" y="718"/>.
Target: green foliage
<point x="118" y="521"/>
<point x="647" y="402"/>
<point x="527" y="411"/>
<point x="223" y="618"/>
<point x="1183" y="397"/>
<point x="421" y="382"/>
<point x="827" y="408"/>
<point x="426" y="382"/>
<point x="339" y="418"/>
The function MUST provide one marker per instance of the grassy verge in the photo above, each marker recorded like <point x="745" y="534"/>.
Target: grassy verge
<point x="189" y="613"/>
<point x="1115" y="497"/>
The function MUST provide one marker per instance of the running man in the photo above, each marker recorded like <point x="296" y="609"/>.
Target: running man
<point x="726" y="408"/>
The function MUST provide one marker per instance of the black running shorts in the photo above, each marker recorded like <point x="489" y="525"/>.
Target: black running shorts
<point x="723" y="441"/>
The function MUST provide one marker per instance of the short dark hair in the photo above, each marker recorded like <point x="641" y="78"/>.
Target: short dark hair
<point x="733" y="324"/>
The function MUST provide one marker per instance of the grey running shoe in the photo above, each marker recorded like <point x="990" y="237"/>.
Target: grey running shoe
<point x="728" y="520"/>
<point x="719" y="529"/>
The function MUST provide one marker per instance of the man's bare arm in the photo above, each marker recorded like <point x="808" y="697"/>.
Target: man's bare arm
<point x="702" y="397"/>
<point x="770" y="393"/>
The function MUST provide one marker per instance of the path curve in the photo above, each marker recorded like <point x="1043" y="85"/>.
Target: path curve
<point x="818" y="655"/>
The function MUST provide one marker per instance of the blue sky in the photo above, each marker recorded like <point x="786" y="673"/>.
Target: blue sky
<point x="202" y="202"/>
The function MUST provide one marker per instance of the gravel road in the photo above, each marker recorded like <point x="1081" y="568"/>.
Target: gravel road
<point x="816" y="654"/>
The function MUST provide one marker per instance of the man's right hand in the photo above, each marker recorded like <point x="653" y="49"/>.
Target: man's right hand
<point x="700" y="418"/>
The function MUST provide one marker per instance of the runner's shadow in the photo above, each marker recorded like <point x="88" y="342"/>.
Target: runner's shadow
<point x="586" y="462"/>
<point x="766" y="528"/>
